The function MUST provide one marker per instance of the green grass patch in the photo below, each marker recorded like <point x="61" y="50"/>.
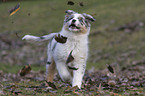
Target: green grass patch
<point x="16" y="68"/>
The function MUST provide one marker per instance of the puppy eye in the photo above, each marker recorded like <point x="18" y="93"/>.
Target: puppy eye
<point x="69" y="19"/>
<point x="80" y="19"/>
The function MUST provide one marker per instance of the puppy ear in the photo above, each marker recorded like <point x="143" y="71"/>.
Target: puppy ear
<point x="69" y="12"/>
<point x="89" y="17"/>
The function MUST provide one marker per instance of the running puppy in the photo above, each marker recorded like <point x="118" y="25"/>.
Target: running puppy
<point x="68" y="48"/>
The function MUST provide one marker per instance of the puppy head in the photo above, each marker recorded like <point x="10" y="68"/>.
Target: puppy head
<point x="75" y="22"/>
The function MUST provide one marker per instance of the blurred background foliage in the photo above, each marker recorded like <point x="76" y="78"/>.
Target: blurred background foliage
<point x="116" y="38"/>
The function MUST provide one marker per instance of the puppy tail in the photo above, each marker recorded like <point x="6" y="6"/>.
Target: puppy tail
<point x="42" y="38"/>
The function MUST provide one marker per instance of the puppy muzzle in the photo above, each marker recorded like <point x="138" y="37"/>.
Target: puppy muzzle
<point x="73" y="26"/>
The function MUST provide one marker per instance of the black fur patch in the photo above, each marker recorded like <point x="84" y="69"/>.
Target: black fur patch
<point x="87" y="24"/>
<point x="69" y="18"/>
<point x="72" y="68"/>
<point x="83" y="22"/>
<point x="54" y="46"/>
<point x="48" y="62"/>
<point x="41" y="37"/>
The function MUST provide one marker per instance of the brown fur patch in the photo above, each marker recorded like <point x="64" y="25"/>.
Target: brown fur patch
<point x="66" y="27"/>
<point x="83" y="30"/>
<point x="51" y="72"/>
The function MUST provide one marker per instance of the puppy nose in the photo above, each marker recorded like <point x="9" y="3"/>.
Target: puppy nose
<point x="73" y="21"/>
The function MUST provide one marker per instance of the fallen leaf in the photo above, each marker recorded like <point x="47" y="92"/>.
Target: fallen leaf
<point x="16" y="92"/>
<point x="25" y="70"/>
<point x="17" y="35"/>
<point x="70" y="3"/>
<point x="60" y="38"/>
<point x="71" y="89"/>
<point x="110" y="68"/>
<point x="14" y="10"/>
<point x="50" y="84"/>
<point x="70" y="58"/>
<point x="81" y="4"/>
<point x="111" y="83"/>
<point x="29" y="14"/>
<point x="100" y="89"/>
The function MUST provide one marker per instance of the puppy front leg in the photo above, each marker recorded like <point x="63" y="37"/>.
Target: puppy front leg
<point x="78" y="75"/>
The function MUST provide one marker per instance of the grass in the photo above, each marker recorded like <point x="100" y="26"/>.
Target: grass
<point x="43" y="14"/>
<point x="16" y="68"/>
<point x="110" y="45"/>
<point x="35" y="88"/>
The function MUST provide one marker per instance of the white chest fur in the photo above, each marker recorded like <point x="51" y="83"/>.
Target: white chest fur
<point x="78" y="43"/>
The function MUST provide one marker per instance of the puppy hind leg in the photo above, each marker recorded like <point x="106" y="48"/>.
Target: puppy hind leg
<point x="50" y="66"/>
<point x="63" y="71"/>
<point x="50" y="71"/>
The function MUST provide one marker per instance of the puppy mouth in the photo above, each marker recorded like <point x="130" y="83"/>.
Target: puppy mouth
<point x="73" y="26"/>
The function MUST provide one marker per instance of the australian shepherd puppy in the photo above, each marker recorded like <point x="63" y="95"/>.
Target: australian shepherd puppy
<point x="68" y="49"/>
